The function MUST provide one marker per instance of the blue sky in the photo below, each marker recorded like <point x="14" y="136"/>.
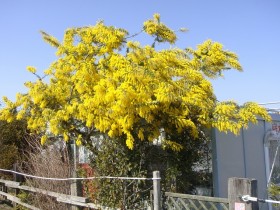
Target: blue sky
<point x="250" y="28"/>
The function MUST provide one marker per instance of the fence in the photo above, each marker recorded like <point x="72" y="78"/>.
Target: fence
<point x="173" y="201"/>
<point x="236" y="188"/>
<point x="64" y="198"/>
<point x="189" y="202"/>
<point x="68" y="199"/>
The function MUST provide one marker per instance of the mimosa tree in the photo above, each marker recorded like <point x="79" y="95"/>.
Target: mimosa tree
<point x="105" y="81"/>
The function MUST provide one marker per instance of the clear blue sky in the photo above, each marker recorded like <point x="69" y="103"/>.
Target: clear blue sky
<point x="251" y="28"/>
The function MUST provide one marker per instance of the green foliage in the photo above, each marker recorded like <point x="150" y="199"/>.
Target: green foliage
<point x="8" y="155"/>
<point x="13" y="133"/>
<point x="183" y="170"/>
<point x="178" y="169"/>
<point x="113" y="158"/>
<point x="12" y="142"/>
<point x="274" y="188"/>
<point x="25" y="197"/>
<point x="274" y="192"/>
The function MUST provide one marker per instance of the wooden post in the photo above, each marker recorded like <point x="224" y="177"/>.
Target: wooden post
<point x="16" y="178"/>
<point x="156" y="190"/>
<point x="237" y="187"/>
<point x="4" y="189"/>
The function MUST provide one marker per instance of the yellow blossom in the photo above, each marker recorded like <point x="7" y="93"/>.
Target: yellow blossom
<point x="31" y="69"/>
<point x="44" y="139"/>
<point x="103" y="81"/>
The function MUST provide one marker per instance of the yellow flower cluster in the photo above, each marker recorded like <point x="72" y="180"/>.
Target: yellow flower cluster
<point x="159" y="30"/>
<point x="212" y="59"/>
<point x="101" y="81"/>
<point x="31" y="69"/>
<point x="228" y="116"/>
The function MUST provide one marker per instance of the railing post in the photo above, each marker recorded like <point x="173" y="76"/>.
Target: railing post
<point x="16" y="178"/>
<point x="74" y="187"/>
<point x="156" y="190"/>
<point x="237" y="187"/>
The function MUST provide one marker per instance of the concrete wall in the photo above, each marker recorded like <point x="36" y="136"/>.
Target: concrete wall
<point x="241" y="156"/>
